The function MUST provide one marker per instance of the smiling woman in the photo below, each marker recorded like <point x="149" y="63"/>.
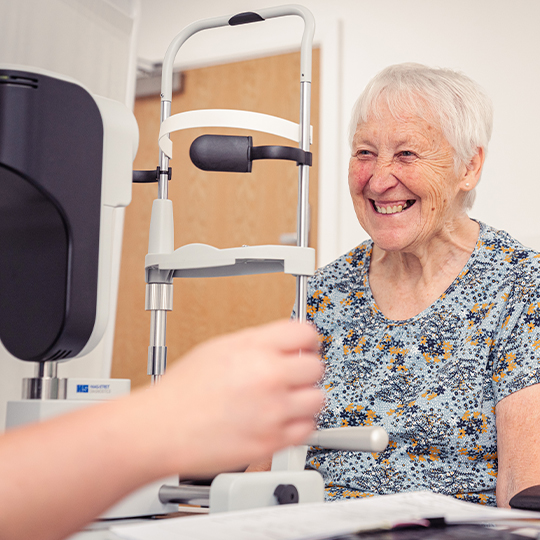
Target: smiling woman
<point x="432" y="328"/>
<point x="410" y="199"/>
<point x="406" y="162"/>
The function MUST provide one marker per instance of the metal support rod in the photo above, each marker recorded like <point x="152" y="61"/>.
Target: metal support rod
<point x="163" y="183"/>
<point x="157" y="351"/>
<point x="159" y="300"/>
<point x="45" y="384"/>
<point x="155" y="294"/>
<point x="302" y="226"/>
<point x="47" y="369"/>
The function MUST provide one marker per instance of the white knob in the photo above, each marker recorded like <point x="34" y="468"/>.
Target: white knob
<point x="356" y="439"/>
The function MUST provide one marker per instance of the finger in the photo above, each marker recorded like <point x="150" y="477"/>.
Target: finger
<point x="304" y="404"/>
<point x="287" y="336"/>
<point x="303" y="370"/>
<point x="297" y="432"/>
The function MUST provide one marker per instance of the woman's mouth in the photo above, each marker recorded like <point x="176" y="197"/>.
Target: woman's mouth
<point x="391" y="208"/>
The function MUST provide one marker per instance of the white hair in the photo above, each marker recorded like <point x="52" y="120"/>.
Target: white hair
<point x="460" y="105"/>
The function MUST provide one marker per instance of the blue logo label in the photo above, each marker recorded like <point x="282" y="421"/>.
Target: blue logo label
<point x="82" y="389"/>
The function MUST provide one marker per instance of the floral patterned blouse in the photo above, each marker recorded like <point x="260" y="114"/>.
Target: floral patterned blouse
<point x="431" y="381"/>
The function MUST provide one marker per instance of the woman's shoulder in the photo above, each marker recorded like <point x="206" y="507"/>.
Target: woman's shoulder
<point x="351" y="265"/>
<point x="501" y="247"/>
<point x="503" y="259"/>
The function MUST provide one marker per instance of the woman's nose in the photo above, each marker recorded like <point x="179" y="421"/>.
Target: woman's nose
<point x="382" y="178"/>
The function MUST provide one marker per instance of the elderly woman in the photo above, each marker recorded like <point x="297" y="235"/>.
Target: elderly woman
<point x="431" y="329"/>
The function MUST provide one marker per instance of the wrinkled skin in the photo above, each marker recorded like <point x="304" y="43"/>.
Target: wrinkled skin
<point x="399" y="160"/>
<point x="406" y="163"/>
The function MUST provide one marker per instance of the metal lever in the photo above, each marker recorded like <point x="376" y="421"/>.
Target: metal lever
<point x="149" y="176"/>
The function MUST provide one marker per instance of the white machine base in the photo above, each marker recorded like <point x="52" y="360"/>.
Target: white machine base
<point x="27" y="411"/>
<point x="79" y="393"/>
<point x="241" y="491"/>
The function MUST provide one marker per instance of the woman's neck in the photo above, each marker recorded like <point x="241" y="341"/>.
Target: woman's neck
<point x="405" y="283"/>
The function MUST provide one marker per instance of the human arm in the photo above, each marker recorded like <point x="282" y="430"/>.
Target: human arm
<point x="518" y="443"/>
<point x="232" y="400"/>
<point x="261" y="466"/>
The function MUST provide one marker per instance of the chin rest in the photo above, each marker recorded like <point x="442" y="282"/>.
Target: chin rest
<point x="527" y="499"/>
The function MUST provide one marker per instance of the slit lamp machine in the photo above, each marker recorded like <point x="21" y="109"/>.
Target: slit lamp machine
<point x="65" y="164"/>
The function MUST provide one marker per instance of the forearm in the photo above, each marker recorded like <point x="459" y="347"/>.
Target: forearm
<point x="57" y="476"/>
<point x="518" y="443"/>
<point x="517" y="471"/>
<point x="259" y="466"/>
<point x="506" y="489"/>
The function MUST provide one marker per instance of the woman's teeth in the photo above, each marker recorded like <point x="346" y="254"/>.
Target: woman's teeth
<point x="393" y="209"/>
<point x="389" y="209"/>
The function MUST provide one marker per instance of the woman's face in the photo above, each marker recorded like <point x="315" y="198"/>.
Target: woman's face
<point x="402" y="181"/>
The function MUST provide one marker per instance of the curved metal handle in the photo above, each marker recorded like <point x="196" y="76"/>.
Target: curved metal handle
<point x="234" y="20"/>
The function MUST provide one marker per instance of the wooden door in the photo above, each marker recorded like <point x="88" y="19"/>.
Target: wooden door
<point x="220" y="209"/>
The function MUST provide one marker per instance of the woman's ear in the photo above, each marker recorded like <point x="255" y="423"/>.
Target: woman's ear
<point x="473" y="171"/>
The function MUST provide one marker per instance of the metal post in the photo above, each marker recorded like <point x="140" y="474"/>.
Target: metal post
<point x="159" y="300"/>
<point x="45" y="384"/>
<point x="163" y="187"/>
<point x="302" y="227"/>
<point x="159" y="295"/>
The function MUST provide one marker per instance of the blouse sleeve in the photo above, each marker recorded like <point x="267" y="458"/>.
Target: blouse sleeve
<point x="516" y="354"/>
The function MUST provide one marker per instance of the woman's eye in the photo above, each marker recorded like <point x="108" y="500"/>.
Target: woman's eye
<point x="407" y="154"/>
<point x="362" y="153"/>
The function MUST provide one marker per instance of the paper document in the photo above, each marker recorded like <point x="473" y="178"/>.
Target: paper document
<point x="319" y="520"/>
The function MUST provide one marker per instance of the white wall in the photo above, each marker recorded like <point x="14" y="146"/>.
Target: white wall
<point x="495" y="42"/>
<point x="93" y="42"/>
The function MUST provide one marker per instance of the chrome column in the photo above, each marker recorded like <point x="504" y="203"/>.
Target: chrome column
<point x="159" y="295"/>
<point x="159" y="300"/>
<point x="45" y="384"/>
<point x="302" y="226"/>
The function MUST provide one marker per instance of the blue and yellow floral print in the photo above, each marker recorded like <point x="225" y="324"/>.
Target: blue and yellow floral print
<point x="431" y="381"/>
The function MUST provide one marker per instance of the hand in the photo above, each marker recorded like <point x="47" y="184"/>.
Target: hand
<point x="240" y="397"/>
<point x="230" y="401"/>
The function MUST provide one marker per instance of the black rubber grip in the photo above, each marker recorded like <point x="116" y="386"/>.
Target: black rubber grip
<point x="225" y="153"/>
<point x="245" y="18"/>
